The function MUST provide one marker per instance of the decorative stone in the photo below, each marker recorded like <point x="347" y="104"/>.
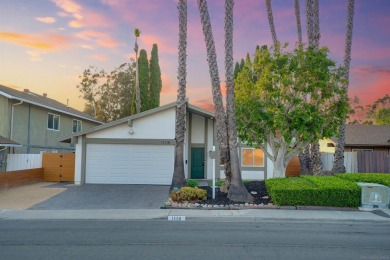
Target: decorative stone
<point x="222" y="206"/>
<point x="168" y="203"/>
<point x="236" y="205"/>
<point x="265" y="197"/>
<point x="246" y="204"/>
<point x="242" y="205"/>
<point x="253" y="192"/>
<point x="209" y="206"/>
<point x="215" y="206"/>
<point x="250" y="204"/>
<point x="196" y="204"/>
<point x="270" y="204"/>
<point x="262" y="204"/>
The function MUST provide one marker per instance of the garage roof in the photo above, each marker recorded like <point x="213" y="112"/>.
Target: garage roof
<point x="5" y="142"/>
<point x="191" y="108"/>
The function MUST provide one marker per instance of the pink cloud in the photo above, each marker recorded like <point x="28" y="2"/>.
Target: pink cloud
<point x="45" y="19"/>
<point x="107" y="42"/>
<point x="101" y="38"/>
<point x="148" y="40"/>
<point x="68" y="6"/>
<point x="99" y="57"/>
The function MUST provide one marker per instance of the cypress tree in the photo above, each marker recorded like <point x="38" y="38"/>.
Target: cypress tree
<point x="155" y="78"/>
<point x="143" y="67"/>
<point x="242" y="64"/>
<point x="236" y="69"/>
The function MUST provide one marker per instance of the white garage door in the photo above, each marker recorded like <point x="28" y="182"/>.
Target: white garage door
<point x="129" y="164"/>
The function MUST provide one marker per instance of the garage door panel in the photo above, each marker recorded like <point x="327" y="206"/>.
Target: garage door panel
<point x="129" y="164"/>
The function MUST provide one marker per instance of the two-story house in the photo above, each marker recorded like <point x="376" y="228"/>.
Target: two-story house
<point x="32" y="123"/>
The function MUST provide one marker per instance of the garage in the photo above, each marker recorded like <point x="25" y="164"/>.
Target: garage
<point x="129" y="164"/>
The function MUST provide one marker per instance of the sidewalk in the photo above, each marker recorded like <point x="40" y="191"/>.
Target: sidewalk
<point x="244" y="215"/>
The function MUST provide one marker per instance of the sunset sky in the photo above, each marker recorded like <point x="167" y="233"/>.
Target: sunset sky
<point x="46" y="44"/>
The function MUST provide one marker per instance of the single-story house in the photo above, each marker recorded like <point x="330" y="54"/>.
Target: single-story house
<point x="139" y="149"/>
<point x="361" y="138"/>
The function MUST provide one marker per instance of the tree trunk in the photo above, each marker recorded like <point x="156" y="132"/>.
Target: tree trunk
<point x="178" y="179"/>
<point x="338" y="163"/>
<point x="237" y="190"/>
<point x="220" y="116"/>
<point x="305" y="161"/>
<point x="298" y="18"/>
<point x="279" y="168"/>
<point x="271" y="21"/>
<point x="316" y="157"/>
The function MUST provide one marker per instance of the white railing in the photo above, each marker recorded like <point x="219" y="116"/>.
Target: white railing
<point x="17" y="162"/>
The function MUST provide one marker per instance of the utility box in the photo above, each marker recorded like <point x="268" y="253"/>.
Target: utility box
<point x="374" y="195"/>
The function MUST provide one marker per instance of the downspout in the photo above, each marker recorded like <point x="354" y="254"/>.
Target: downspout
<point x="12" y="120"/>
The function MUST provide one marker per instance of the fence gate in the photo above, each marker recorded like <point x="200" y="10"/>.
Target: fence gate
<point x="58" y="167"/>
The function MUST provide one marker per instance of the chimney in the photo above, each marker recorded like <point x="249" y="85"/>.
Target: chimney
<point x="26" y="90"/>
<point x="45" y="94"/>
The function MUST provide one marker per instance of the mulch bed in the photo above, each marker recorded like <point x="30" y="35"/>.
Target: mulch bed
<point x="221" y="198"/>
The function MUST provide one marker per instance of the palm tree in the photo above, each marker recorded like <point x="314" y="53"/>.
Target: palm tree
<point x="338" y="163"/>
<point x="137" y="33"/>
<point x="237" y="191"/>
<point x="298" y="18"/>
<point x="271" y="21"/>
<point x="220" y="116"/>
<point x="178" y="179"/>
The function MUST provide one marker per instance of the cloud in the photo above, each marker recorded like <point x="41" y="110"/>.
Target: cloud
<point x="100" y="38"/>
<point x="205" y="103"/>
<point x="107" y="42"/>
<point x="99" y="57"/>
<point x="84" y="46"/>
<point x="76" y="24"/>
<point x="46" y="42"/>
<point x="163" y="45"/>
<point x="46" y="19"/>
<point x="35" y="55"/>
<point x="68" y="6"/>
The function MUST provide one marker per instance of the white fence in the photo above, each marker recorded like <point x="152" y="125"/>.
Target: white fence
<point x="17" y="162"/>
<point x="350" y="161"/>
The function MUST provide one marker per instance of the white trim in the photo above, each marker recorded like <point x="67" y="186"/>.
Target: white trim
<point x="47" y="122"/>
<point x="81" y="125"/>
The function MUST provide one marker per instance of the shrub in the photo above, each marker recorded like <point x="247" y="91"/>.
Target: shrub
<point x="217" y="183"/>
<point x="188" y="194"/>
<point x="380" y="178"/>
<point x="192" y="183"/>
<point x="314" y="191"/>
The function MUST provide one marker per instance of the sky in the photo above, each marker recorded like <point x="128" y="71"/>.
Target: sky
<point x="45" y="45"/>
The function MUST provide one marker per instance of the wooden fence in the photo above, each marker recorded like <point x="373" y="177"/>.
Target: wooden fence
<point x="58" y="167"/>
<point x="374" y="161"/>
<point x="18" y="178"/>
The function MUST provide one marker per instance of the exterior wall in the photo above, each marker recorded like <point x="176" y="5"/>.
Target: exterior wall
<point x="324" y="146"/>
<point x="30" y="130"/>
<point x="197" y="130"/>
<point x="155" y="126"/>
<point x="4" y="116"/>
<point x="78" y="160"/>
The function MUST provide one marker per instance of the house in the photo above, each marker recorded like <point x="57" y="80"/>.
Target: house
<point x="361" y="138"/>
<point x="35" y="122"/>
<point x="139" y="149"/>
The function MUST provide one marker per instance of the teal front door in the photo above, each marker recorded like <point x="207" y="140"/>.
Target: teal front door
<point x="197" y="163"/>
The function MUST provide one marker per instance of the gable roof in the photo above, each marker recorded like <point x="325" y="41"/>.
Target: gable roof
<point x="367" y="135"/>
<point x="190" y="108"/>
<point x="8" y="142"/>
<point x="45" y="102"/>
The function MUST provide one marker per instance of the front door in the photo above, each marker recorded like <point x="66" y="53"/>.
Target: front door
<point x="197" y="163"/>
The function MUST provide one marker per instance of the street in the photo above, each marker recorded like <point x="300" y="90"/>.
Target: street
<point x="160" y="239"/>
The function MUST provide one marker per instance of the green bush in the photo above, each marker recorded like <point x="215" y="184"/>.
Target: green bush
<point x="217" y="183"/>
<point x="192" y="183"/>
<point x="188" y="194"/>
<point x="314" y="191"/>
<point x="380" y="178"/>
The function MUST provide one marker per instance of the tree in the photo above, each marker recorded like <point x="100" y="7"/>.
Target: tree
<point x="155" y="78"/>
<point x="298" y="18"/>
<point x="273" y="110"/>
<point x="109" y="96"/>
<point x="144" y="80"/>
<point x="236" y="69"/>
<point x="237" y="190"/>
<point x="338" y="162"/>
<point x="271" y="21"/>
<point x="178" y="179"/>
<point x="382" y="116"/>
<point x="220" y="115"/>
<point x="137" y="33"/>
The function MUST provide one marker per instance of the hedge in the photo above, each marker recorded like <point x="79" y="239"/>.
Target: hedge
<point x="314" y="191"/>
<point x="379" y="178"/>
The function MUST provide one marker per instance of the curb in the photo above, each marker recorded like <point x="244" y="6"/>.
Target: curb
<point x="267" y="207"/>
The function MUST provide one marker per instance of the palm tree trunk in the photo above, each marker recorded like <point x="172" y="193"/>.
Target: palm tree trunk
<point x="220" y="115"/>
<point x="178" y="179"/>
<point x="338" y="163"/>
<point x="237" y="190"/>
<point x="271" y="21"/>
<point x="298" y="18"/>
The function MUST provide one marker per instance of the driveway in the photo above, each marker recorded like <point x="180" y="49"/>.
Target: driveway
<point x="105" y="196"/>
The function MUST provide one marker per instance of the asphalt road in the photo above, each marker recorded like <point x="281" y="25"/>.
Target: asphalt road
<point x="192" y="240"/>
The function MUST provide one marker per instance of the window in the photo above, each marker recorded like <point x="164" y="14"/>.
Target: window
<point x="53" y="122"/>
<point x="252" y="157"/>
<point x="76" y="125"/>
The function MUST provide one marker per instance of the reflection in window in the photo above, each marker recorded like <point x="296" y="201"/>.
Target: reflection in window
<point x="252" y="157"/>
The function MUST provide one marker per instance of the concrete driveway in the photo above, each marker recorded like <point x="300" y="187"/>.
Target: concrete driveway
<point x="96" y="196"/>
<point x="106" y="196"/>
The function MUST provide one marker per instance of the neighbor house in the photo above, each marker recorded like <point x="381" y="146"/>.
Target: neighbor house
<point x="32" y="123"/>
<point x="140" y="149"/>
<point x="361" y="138"/>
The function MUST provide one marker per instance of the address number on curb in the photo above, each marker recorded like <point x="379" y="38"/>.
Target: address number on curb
<point x="176" y="218"/>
